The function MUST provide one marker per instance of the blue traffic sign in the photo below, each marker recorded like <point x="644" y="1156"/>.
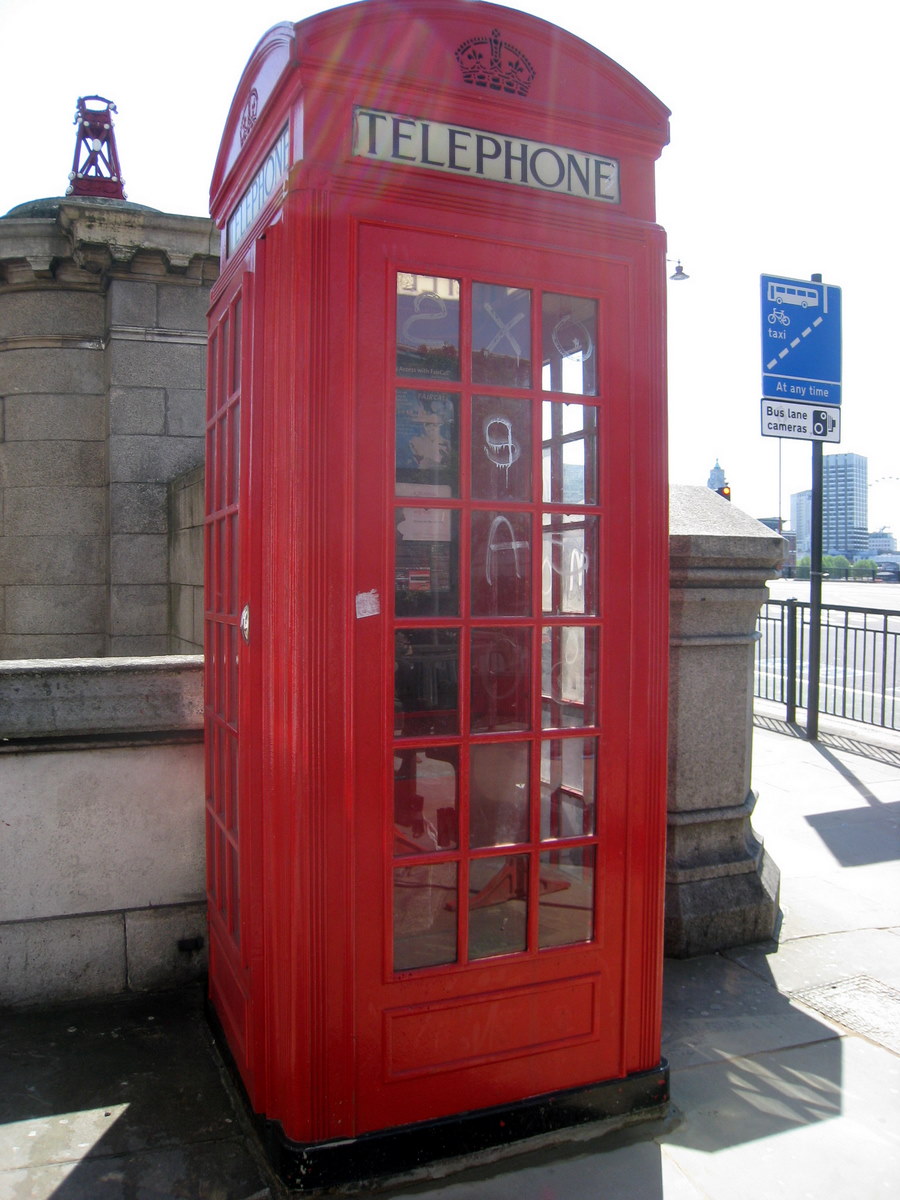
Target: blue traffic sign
<point x="801" y="340"/>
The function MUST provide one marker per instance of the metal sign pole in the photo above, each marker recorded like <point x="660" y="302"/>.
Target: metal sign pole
<point x="815" y="598"/>
<point x="815" y="590"/>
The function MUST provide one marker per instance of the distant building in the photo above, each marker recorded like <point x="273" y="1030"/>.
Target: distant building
<point x="716" y="478"/>
<point x="845" y="505"/>
<point x="882" y="542"/>
<point x="801" y="520"/>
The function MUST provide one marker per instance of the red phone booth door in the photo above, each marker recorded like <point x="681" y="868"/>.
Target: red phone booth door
<point x="495" y="657"/>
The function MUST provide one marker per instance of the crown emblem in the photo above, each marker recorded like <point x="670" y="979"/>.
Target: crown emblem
<point x="249" y="115"/>
<point x="489" y="62"/>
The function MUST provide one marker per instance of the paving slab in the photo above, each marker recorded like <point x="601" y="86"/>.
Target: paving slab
<point x="119" y="1099"/>
<point x="637" y="1172"/>
<point x="825" y="959"/>
<point x="811" y="1121"/>
<point x="716" y="1008"/>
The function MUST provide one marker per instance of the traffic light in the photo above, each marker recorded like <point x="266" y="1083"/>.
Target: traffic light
<point x="725" y="491"/>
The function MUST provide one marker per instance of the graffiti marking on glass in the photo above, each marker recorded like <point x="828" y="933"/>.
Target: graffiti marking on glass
<point x="427" y="326"/>
<point x="512" y="546"/>
<point x="502" y="451"/>
<point x="571" y="336"/>
<point x="572" y="572"/>
<point x="503" y="330"/>
<point x="437" y="312"/>
<point x="497" y="663"/>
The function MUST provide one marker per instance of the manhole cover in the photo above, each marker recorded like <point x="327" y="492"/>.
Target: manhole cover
<point x="862" y="1004"/>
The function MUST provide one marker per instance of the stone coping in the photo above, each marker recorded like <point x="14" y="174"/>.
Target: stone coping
<point x="88" y="697"/>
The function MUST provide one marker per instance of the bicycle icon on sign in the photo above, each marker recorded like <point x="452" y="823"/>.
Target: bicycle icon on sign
<point x="780" y="316"/>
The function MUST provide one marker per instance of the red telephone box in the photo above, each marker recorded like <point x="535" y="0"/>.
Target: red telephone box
<point x="436" y="586"/>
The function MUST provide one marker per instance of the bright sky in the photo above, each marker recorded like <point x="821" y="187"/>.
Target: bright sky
<point x="782" y="161"/>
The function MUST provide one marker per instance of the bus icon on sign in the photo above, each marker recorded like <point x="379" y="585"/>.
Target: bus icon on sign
<point x="783" y="293"/>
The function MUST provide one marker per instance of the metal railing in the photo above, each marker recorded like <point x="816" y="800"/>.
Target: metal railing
<point x="860" y="661"/>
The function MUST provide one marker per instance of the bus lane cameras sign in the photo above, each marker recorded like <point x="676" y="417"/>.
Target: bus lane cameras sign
<point x="801" y="359"/>
<point x="804" y="421"/>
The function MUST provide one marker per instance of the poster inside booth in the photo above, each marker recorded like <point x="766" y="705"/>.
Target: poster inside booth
<point x="436" y="587"/>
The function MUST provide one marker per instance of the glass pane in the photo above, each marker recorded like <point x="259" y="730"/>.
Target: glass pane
<point x="501" y="335"/>
<point x="236" y="347"/>
<point x="568" y="676"/>
<point x="424" y="916"/>
<point x="230" y="669"/>
<point x="498" y="794"/>
<point x="498" y="905"/>
<point x="427" y="326"/>
<point x="234" y="876"/>
<point x="569" y="575"/>
<point x="568" y="787"/>
<point x="427" y="454"/>
<point x="569" y="325"/>
<point x="426" y="672"/>
<point x="425" y="800"/>
<point x="223" y="364"/>
<point x="426" y="562"/>
<point x="232" y="809"/>
<point x="501" y="448"/>
<point x="570" y="460"/>
<point x="501" y="564"/>
<point x="501" y="680"/>
<point x="566" y="906"/>
<point x="234" y="466"/>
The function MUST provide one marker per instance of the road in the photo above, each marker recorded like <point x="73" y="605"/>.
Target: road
<point x="860" y="665"/>
<point x="853" y="595"/>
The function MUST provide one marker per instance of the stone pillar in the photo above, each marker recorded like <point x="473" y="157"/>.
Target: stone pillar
<point x="721" y="886"/>
<point x="102" y="377"/>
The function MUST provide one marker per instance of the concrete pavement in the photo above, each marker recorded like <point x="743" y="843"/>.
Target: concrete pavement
<point x="785" y="1058"/>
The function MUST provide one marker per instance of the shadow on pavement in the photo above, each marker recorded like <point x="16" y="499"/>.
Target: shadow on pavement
<point x="858" y="836"/>
<point x="746" y="1062"/>
<point x="119" y="1099"/>
<point x="125" y="1099"/>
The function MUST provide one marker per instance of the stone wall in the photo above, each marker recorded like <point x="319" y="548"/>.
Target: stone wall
<point x="101" y="810"/>
<point x="186" y="517"/>
<point x="102" y="380"/>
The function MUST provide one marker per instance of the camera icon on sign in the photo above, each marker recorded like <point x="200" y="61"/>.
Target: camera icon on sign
<point x="822" y="423"/>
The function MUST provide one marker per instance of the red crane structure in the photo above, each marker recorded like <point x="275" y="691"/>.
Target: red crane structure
<point x="95" y="168"/>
